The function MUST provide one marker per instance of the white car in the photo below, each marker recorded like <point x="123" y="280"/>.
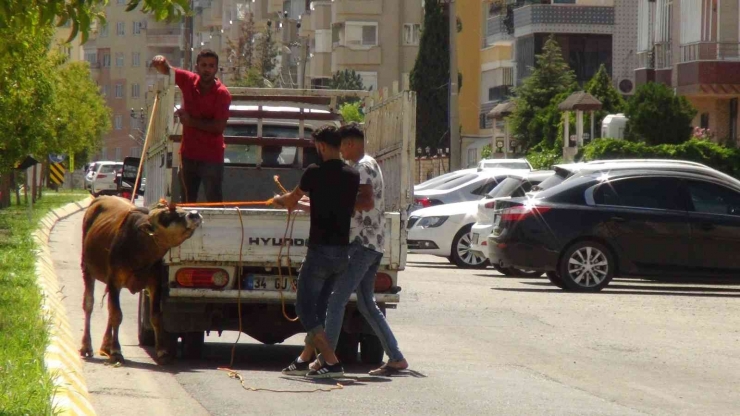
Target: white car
<point x="90" y="174"/>
<point x="104" y="178"/>
<point x="444" y="231"/>
<point x="468" y="187"/>
<point x="442" y="179"/>
<point x="519" y="164"/>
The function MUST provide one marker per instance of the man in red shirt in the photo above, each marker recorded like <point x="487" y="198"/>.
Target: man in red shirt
<point x="203" y="114"/>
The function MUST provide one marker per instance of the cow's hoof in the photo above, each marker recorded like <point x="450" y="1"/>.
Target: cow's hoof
<point x="86" y="352"/>
<point x="116" y="358"/>
<point x="164" y="358"/>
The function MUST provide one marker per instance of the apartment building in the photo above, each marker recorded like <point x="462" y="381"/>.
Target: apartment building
<point x="72" y="50"/>
<point x="694" y="47"/>
<point x="377" y="38"/>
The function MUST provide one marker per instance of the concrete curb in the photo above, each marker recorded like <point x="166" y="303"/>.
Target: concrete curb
<point x="62" y="358"/>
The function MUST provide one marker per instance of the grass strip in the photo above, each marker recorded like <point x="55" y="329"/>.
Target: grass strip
<point x="25" y="386"/>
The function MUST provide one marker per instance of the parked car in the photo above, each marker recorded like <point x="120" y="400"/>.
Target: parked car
<point x="519" y="164"/>
<point x="104" y="179"/>
<point x="444" y="231"/>
<point x="441" y="179"/>
<point x="514" y="186"/>
<point x="90" y="171"/>
<point x="468" y="187"/>
<point x="639" y="222"/>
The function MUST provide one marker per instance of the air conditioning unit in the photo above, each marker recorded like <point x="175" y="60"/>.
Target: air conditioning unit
<point x="626" y="86"/>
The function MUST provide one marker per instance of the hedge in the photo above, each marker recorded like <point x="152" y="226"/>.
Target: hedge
<point x="719" y="157"/>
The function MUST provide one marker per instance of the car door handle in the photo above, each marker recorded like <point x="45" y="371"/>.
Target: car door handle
<point x="618" y="219"/>
<point x="707" y="226"/>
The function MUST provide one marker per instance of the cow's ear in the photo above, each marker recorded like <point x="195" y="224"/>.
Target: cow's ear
<point x="147" y="228"/>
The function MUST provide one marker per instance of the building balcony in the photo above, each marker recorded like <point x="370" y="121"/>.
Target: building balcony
<point x="321" y="15"/>
<point x="709" y="68"/>
<point x="320" y="66"/>
<point x="164" y="37"/>
<point x="306" y="25"/>
<point x="496" y="30"/>
<point x="209" y="13"/>
<point x="563" y="18"/>
<point x="343" y="56"/>
<point x="342" y="8"/>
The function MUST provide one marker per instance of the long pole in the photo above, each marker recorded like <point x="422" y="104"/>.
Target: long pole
<point x="146" y="146"/>
<point x="455" y="156"/>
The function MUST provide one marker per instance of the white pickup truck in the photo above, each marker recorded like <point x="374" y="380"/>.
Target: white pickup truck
<point x="268" y="134"/>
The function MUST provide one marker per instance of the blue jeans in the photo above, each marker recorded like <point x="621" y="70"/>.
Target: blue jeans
<point x="360" y="278"/>
<point x="321" y="268"/>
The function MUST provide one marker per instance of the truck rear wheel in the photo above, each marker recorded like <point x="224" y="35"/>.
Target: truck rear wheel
<point x="347" y="347"/>
<point x="192" y="345"/>
<point x="146" y="333"/>
<point x="371" y="350"/>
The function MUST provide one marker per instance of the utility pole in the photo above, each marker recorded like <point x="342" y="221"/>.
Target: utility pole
<point x="455" y="156"/>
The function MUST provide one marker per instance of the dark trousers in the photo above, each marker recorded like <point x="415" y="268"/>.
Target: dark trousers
<point x="210" y="174"/>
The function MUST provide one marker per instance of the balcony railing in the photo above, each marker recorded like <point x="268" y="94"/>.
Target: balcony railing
<point x="164" y="31"/>
<point x="646" y="60"/>
<point x="710" y="51"/>
<point x="663" y="56"/>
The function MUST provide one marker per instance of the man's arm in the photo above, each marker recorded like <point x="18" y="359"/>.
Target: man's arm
<point x="365" y="200"/>
<point x="289" y="200"/>
<point x="209" y="125"/>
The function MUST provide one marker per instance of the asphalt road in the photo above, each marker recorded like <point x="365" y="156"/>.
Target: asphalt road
<point x="478" y="343"/>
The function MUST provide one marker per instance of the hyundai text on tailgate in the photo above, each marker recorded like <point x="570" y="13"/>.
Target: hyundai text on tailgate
<point x="247" y="258"/>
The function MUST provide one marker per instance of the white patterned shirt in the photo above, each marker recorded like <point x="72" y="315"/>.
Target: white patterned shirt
<point x="368" y="227"/>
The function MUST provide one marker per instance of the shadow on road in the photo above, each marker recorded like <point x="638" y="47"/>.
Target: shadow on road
<point x="644" y="288"/>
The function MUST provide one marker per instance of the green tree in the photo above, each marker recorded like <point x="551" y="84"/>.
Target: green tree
<point x="536" y="114"/>
<point x="240" y="55"/>
<point x="601" y="87"/>
<point x="346" y="80"/>
<point x="267" y="53"/>
<point x="352" y="112"/>
<point x="430" y="78"/>
<point x="655" y="115"/>
<point x="37" y="15"/>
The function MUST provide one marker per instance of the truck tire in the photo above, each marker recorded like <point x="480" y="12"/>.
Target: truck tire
<point x="371" y="350"/>
<point x="146" y="333"/>
<point x="192" y="345"/>
<point x="347" y="347"/>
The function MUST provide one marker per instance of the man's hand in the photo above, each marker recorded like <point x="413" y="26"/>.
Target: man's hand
<point x="161" y="65"/>
<point x="304" y="204"/>
<point x="184" y="117"/>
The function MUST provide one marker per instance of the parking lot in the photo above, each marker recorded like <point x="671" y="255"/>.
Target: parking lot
<point x="478" y="343"/>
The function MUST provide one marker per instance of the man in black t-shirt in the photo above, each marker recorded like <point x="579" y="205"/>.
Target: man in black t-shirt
<point x="332" y="187"/>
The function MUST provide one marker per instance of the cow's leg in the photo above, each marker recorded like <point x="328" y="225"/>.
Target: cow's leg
<point x="88" y="302"/>
<point x="111" y="346"/>
<point x="161" y="345"/>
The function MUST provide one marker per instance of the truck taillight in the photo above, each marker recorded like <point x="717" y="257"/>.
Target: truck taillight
<point x="383" y="282"/>
<point x="202" y="278"/>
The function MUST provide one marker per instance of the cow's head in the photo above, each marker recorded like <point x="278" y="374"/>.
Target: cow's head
<point x="171" y="225"/>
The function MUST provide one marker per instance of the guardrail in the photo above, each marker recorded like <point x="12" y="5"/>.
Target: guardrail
<point x="710" y="51"/>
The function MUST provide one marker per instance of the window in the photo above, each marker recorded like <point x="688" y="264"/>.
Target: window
<point x="361" y="34"/>
<point x="369" y="80"/>
<point x="652" y="193"/>
<point x="709" y="198"/>
<point x="411" y="33"/>
<point x="119" y="60"/>
<point x="134" y="90"/>
<point x="91" y="58"/>
<point x="704" y="121"/>
<point x="105" y="90"/>
<point x="104" y="153"/>
<point x="489" y="185"/>
<point x="137" y="28"/>
<point x="457" y="182"/>
<point x="118" y="122"/>
<point x="118" y="154"/>
<point x="119" y="90"/>
<point x="135" y="152"/>
<point x="121" y="29"/>
<point x="106" y="60"/>
<point x="136" y="59"/>
<point x="323" y="41"/>
<point x="472" y="157"/>
<point x="104" y="30"/>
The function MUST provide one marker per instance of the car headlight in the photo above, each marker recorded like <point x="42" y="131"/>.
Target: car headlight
<point x="432" y="222"/>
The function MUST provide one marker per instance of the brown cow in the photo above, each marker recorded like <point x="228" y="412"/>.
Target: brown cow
<point x="123" y="247"/>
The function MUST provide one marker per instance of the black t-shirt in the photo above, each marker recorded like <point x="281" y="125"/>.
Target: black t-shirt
<point x="332" y="187"/>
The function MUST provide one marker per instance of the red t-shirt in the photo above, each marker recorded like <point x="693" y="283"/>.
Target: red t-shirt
<point x="214" y="105"/>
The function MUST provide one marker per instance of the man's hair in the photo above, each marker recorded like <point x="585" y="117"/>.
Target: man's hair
<point x="206" y="53"/>
<point x="351" y="131"/>
<point x="327" y="134"/>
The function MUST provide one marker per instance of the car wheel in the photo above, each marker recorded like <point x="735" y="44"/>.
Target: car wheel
<point x="462" y="255"/>
<point x="556" y="280"/>
<point x="192" y="345"/>
<point x="587" y="267"/>
<point x="371" y="349"/>
<point x="347" y="347"/>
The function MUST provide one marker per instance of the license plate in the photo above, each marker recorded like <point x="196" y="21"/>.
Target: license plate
<point x="476" y="236"/>
<point x="496" y="220"/>
<point x="256" y="282"/>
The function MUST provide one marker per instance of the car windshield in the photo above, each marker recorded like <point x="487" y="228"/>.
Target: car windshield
<point x="271" y="155"/>
<point x="505" y="188"/>
<point x="505" y="164"/>
<point x="457" y="182"/>
<point x="548" y="183"/>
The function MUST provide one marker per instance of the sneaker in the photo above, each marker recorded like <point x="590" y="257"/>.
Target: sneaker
<point x="327" y="371"/>
<point x="296" y="369"/>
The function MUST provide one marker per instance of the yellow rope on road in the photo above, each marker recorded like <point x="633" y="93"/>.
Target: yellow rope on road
<point x="236" y="375"/>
